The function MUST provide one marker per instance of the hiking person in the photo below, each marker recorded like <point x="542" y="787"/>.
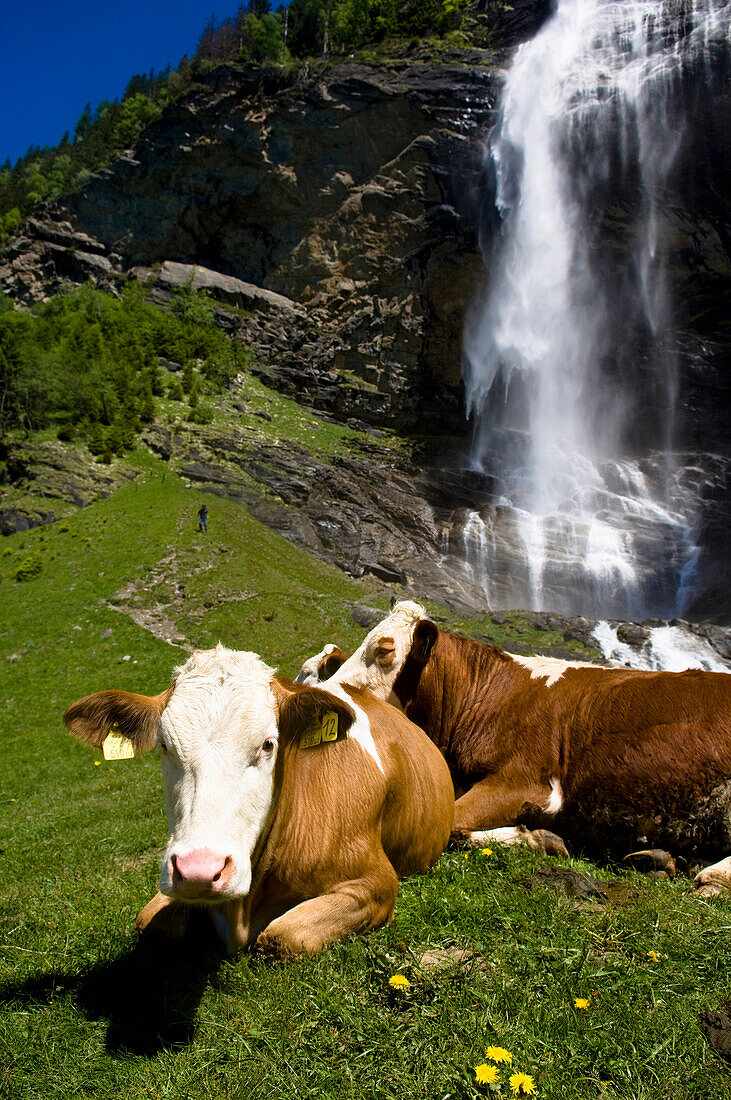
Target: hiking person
<point x="203" y="518"/>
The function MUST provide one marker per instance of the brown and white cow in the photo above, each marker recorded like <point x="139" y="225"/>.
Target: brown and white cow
<point x="606" y="756"/>
<point x="292" y="845"/>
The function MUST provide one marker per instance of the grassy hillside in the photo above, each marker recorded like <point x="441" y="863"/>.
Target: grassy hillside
<point x="87" y="1011"/>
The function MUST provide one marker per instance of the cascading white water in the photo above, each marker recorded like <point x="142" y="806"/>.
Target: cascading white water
<point x="573" y="334"/>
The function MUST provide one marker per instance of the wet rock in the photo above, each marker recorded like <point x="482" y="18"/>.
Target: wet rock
<point x="718" y="636"/>
<point x="632" y="633"/>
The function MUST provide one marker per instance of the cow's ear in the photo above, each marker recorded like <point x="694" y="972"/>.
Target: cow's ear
<point x="331" y="664"/>
<point x="307" y="710"/>
<point x="425" y="638"/>
<point x="136" y="717"/>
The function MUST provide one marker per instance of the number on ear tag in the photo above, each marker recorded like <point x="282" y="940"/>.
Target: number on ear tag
<point x="117" y="746"/>
<point x="327" y="729"/>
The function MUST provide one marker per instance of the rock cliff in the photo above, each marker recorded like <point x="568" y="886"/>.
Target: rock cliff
<point x="350" y="192"/>
<point x="334" y="214"/>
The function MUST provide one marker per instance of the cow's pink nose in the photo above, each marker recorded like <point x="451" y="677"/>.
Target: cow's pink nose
<point x="201" y="873"/>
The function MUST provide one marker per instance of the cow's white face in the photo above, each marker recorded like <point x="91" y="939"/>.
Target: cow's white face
<point x="310" y="672"/>
<point x="219" y="740"/>
<point x="379" y="660"/>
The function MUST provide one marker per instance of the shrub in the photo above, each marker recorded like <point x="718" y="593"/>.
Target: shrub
<point x="201" y="414"/>
<point x="28" y="569"/>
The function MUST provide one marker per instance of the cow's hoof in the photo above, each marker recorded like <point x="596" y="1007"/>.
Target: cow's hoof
<point x="714" y="881"/>
<point x="163" y="917"/>
<point x="275" y="947"/>
<point x="651" y="860"/>
<point x="540" y="840"/>
<point x="543" y="840"/>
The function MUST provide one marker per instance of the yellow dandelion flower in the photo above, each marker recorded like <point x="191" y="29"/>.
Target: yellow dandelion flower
<point x="499" y="1054"/>
<point x="522" y="1084"/>
<point x="398" y="981"/>
<point x="486" y="1075"/>
<point x="581" y="1002"/>
<point x="467" y="855"/>
<point x="97" y="763"/>
<point x="653" y="956"/>
<point x="486" y="852"/>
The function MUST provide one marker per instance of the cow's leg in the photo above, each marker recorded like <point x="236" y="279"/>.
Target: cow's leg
<point x="312" y="925"/>
<point x="540" y="840"/>
<point x="714" y="880"/>
<point x="162" y="916"/>
<point x="488" y="811"/>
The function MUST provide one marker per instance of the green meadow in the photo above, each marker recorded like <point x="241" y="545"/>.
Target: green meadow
<point x="87" y="1010"/>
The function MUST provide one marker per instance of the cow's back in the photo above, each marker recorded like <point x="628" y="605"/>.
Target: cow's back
<point x="650" y="753"/>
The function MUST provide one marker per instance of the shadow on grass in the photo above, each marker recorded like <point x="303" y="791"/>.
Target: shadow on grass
<point x="150" y="995"/>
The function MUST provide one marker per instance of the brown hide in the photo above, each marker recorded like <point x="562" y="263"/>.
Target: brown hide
<point x="637" y="754"/>
<point x="343" y="829"/>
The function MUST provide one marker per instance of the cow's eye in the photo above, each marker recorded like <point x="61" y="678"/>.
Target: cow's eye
<point x="268" y="747"/>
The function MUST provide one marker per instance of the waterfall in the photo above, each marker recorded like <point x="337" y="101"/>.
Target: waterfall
<point x="570" y="354"/>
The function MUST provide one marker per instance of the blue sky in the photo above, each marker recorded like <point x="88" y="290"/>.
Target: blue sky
<point x="57" y="55"/>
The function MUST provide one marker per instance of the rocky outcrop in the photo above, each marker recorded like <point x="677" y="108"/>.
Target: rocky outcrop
<point x="332" y="214"/>
<point x="348" y="193"/>
<point x="42" y="482"/>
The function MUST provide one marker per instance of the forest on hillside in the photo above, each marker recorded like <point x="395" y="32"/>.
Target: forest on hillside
<point x="304" y="29"/>
<point x="87" y="364"/>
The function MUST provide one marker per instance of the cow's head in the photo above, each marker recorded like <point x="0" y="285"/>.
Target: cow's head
<point x="221" y="730"/>
<point x="404" y="636"/>
<point x="322" y="666"/>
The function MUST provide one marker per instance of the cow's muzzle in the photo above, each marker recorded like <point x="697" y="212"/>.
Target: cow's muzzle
<point x="201" y="874"/>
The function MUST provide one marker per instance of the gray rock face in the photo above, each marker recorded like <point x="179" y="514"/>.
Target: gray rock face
<point x="224" y="288"/>
<point x="52" y="479"/>
<point x="333" y="218"/>
<point x="335" y="211"/>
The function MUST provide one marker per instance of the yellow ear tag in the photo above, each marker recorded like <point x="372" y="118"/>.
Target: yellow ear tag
<point x="117" y="746"/>
<point x="326" y="729"/>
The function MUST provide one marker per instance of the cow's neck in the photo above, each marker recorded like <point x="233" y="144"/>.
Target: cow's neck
<point x="450" y="696"/>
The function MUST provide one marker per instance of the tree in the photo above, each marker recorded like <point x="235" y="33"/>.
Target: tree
<point x="306" y="27"/>
<point x="261" y="39"/>
<point x="83" y="125"/>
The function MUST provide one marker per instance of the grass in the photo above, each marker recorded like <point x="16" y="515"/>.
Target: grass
<point x="88" y="1011"/>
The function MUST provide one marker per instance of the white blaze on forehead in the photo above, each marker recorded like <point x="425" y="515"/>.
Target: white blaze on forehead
<point x="550" y="668"/>
<point x="220" y="695"/>
<point x="363" y="670"/>
<point x="218" y="789"/>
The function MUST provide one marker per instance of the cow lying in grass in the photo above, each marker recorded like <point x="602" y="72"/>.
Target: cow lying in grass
<point x="292" y="811"/>
<point x="609" y="757"/>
